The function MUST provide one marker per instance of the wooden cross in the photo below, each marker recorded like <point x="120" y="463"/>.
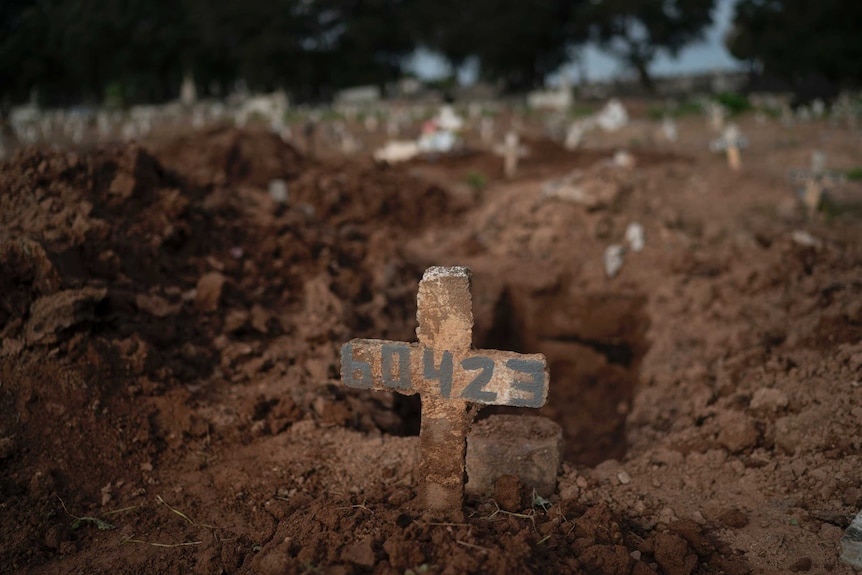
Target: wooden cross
<point x="450" y="378"/>
<point x="731" y="142"/>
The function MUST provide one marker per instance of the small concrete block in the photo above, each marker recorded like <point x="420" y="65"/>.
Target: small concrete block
<point x="527" y="446"/>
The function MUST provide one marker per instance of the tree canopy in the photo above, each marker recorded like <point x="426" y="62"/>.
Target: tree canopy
<point x="135" y="51"/>
<point x="796" y="39"/>
<point x="636" y="31"/>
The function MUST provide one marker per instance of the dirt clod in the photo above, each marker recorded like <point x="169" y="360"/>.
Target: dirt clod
<point x="511" y="493"/>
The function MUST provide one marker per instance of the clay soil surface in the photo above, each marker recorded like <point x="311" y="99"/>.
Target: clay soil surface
<point x="170" y="396"/>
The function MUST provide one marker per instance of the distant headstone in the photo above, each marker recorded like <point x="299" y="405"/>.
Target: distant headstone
<point x="396" y="151"/>
<point x="188" y="91"/>
<point x="635" y="236"/>
<point x="575" y="133"/>
<point x="818" y="108"/>
<point x="371" y="123"/>
<point x="669" y="129"/>
<point x="613" y="259"/>
<point x="731" y="142"/>
<point x="624" y="159"/>
<point x="449" y="120"/>
<point x="486" y="130"/>
<point x="613" y="116"/>
<point x="558" y="100"/>
<point x="449" y="376"/>
<point x="814" y="182"/>
<point x="358" y="95"/>
<point x="717" y="116"/>
<point x="512" y="151"/>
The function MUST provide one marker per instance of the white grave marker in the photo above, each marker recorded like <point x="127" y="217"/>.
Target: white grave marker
<point x="669" y="129"/>
<point x="449" y="376"/>
<point x="486" y="130"/>
<point x="731" y="143"/>
<point x="716" y="116"/>
<point x="511" y="151"/>
<point x="613" y="116"/>
<point x="814" y="182"/>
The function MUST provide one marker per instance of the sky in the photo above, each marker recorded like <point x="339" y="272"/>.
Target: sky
<point x="705" y="56"/>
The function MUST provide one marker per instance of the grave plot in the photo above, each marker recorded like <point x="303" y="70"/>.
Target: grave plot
<point x="173" y="316"/>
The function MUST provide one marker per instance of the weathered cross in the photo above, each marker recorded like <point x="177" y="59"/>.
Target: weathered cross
<point x="449" y="376"/>
<point x="730" y="142"/>
<point x="512" y="151"/>
<point x="815" y="182"/>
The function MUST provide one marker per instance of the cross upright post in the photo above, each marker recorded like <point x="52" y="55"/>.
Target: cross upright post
<point x="450" y="378"/>
<point x="445" y="315"/>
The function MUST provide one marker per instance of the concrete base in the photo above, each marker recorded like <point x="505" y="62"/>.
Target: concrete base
<point x="527" y="446"/>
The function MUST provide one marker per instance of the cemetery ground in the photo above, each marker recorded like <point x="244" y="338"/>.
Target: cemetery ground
<point x="170" y="396"/>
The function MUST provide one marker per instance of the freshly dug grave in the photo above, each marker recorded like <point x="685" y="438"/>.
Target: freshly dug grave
<point x="170" y="396"/>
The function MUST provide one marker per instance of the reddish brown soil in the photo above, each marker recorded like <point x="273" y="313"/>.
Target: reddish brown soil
<point x="169" y="387"/>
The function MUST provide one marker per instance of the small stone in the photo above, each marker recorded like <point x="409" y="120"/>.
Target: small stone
<point x="209" y="291"/>
<point x="234" y="320"/>
<point x="733" y="518"/>
<point x="259" y="318"/>
<point x="613" y="259"/>
<point x="56" y="535"/>
<point x="769" y="398"/>
<point x="635" y="236"/>
<point x="624" y="478"/>
<point x="278" y="191"/>
<point x="624" y="159"/>
<point x="667" y="516"/>
<point x="156" y="305"/>
<point x="801" y="565"/>
<point x="737" y="431"/>
<point x="360" y="553"/>
<point x="400" y="497"/>
<point x="851" y="543"/>
<point x="52" y="314"/>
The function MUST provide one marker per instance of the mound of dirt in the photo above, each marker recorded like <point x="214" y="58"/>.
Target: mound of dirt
<point x="169" y="379"/>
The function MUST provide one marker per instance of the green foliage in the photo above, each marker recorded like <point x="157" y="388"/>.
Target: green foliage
<point x="794" y="39"/>
<point x="515" y="42"/>
<point x="136" y="51"/>
<point x="477" y="181"/>
<point x="582" y="110"/>
<point x="854" y="175"/>
<point x="680" y="110"/>
<point x="101" y="524"/>
<point x="734" y="103"/>
<point x="78" y="51"/>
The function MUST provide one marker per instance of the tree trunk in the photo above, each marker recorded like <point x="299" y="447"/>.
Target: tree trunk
<point x="640" y="65"/>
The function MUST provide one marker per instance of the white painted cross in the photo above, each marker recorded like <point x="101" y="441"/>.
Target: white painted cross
<point x="511" y="151"/>
<point x="730" y="142"/>
<point x="449" y="376"/>
<point x="815" y="181"/>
